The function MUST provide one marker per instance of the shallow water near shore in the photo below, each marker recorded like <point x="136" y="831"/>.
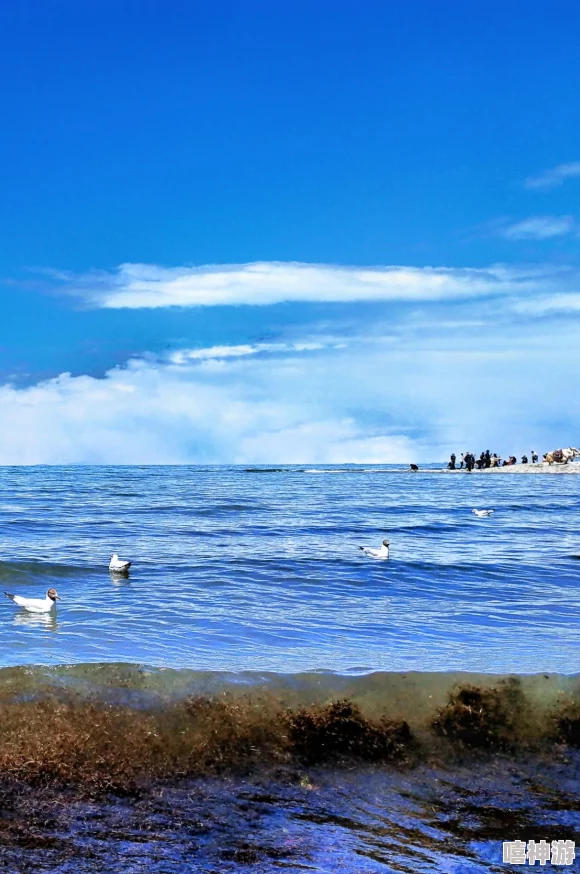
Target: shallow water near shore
<point x="248" y="596"/>
<point x="365" y="821"/>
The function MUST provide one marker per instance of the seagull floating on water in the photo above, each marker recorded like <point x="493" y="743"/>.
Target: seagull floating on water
<point x="482" y="513"/>
<point x="36" y="605"/>
<point x="383" y="552"/>
<point x="117" y="564"/>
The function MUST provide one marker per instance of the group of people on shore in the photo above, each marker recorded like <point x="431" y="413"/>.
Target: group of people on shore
<point x="485" y="460"/>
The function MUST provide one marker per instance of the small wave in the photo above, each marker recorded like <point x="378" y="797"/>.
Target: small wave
<point x="225" y="507"/>
<point x="117" y="494"/>
<point x="35" y="569"/>
<point x="377" y="470"/>
<point x="266" y="470"/>
<point x="431" y="526"/>
<point x="114" y="724"/>
<point x="346" y="470"/>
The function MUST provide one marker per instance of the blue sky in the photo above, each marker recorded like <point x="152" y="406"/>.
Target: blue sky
<point x="302" y="232"/>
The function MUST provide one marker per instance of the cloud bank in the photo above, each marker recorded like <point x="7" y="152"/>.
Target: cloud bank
<point x="455" y="387"/>
<point x="200" y="406"/>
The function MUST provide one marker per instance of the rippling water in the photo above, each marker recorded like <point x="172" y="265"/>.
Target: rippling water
<point x="243" y="570"/>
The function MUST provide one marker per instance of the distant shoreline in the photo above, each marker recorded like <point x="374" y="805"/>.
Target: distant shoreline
<point x="571" y="467"/>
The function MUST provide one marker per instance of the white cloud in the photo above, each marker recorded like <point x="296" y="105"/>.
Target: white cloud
<point x="217" y="353"/>
<point x="557" y="303"/>
<point x="152" y="412"/>
<point x="555" y="176"/>
<point x="541" y="227"/>
<point x="147" y="286"/>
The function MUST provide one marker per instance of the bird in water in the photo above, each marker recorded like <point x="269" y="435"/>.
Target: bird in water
<point x="36" y="605"/>
<point x="118" y="565"/>
<point x="382" y="552"/>
<point x="482" y="513"/>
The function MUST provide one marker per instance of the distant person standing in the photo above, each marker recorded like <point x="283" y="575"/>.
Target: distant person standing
<point x="487" y="459"/>
<point x="461" y="461"/>
<point x="534" y="457"/>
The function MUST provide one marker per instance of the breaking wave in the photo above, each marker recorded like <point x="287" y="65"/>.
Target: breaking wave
<point x="116" y="725"/>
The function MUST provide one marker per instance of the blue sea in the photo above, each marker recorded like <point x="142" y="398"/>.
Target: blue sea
<point x="259" y="569"/>
<point x="249" y="580"/>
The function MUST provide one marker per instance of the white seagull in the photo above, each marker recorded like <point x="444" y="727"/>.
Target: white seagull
<point x="383" y="552"/>
<point x="36" y="605"/>
<point x="117" y="564"/>
<point x="482" y="513"/>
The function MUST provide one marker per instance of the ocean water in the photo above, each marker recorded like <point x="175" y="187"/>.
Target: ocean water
<point x="261" y="571"/>
<point x="248" y="589"/>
